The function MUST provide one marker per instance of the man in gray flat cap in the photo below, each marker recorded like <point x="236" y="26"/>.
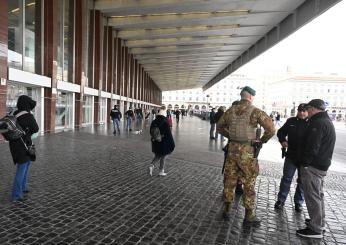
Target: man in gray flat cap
<point x="316" y="159"/>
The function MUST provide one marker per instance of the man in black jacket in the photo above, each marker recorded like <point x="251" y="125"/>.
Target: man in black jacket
<point x="212" y="124"/>
<point x="116" y="116"/>
<point x="18" y="150"/>
<point x="291" y="137"/>
<point x="316" y="159"/>
<point x="217" y="117"/>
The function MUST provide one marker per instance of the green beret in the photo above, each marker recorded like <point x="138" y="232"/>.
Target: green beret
<point x="249" y="90"/>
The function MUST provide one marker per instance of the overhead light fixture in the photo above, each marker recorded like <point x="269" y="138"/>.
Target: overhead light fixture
<point x="188" y="28"/>
<point x="230" y="12"/>
<point x="30" y="4"/>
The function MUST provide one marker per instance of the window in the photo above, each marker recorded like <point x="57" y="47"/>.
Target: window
<point x="66" y="41"/>
<point x="31" y="9"/>
<point x="29" y="44"/>
<point x="15" y="34"/>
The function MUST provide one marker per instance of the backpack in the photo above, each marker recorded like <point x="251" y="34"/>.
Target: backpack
<point x="155" y="133"/>
<point x="10" y="128"/>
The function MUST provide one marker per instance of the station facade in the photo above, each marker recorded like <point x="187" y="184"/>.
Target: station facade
<point x="63" y="54"/>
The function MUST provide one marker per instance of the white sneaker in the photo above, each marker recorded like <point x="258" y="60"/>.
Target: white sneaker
<point x="162" y="173"/>
<point x="151" y="168"/>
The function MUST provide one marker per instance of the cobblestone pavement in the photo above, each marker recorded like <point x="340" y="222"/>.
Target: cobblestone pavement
<point x="90" y="187"/>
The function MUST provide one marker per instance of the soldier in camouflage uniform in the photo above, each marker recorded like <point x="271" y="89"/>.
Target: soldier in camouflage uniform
<point x="239" y="125"/>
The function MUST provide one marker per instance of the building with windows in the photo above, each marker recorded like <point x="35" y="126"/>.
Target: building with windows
<point x="286" y="94"/>
<point x="221" y="94"/>
<point x="65" y="56"/>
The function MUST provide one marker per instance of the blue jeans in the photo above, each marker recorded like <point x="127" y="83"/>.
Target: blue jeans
<point x="217" y="134"/>
<point x="129" y="123"/>
<point x="286" y="180"/>
<point x="116" y="124"/>
<point x="20" y="180"/>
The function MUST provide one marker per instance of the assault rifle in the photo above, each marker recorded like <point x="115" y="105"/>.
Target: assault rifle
<point x="225" y="150"/>
<point x="257" y="143"/>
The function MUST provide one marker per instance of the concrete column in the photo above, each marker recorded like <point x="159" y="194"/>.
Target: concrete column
<point x="80" y="48"/>
<point x="51" y="31"/>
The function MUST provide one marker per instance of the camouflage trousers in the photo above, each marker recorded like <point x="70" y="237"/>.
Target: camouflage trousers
<point x="241" y="165"/>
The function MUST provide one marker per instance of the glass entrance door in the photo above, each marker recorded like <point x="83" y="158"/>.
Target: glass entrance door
<point x="64" y="111"/>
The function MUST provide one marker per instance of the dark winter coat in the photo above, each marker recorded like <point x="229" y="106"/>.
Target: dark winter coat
<point x="218" y="115"/>
<point x="319" y="142"/>
<point x="167" y="145"/>
<point x="28" y="124"/>
<point x="212" y="117"/>
<point x="293" y="132"/>
<point x="115" y="114"/>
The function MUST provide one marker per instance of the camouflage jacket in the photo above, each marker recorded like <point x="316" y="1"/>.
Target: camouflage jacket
<point x="257" y="117"/>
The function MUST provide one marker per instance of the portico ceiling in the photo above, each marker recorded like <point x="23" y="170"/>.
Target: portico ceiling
<point x="195" y="43"/>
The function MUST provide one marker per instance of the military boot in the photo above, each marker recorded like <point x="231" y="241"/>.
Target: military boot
<point x="227" y="207"/>
<point x="251" y="219"/>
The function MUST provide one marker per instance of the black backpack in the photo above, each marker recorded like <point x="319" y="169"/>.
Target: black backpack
<point x="155" y="132"/>
<point x="9" y="127"/>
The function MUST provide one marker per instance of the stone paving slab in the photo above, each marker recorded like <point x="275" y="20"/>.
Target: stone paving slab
<point x="90" y="187"/>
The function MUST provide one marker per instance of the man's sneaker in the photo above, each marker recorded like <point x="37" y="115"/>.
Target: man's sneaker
<point x="279" y="205"/>
<point x="307" y="232"/>
<point x="114" y="132"/>
<point x="18" y="200"/>
<point x="151" y="168"/>
<point x="162" y="173"/>
<point x="307" y="221"/>
<point x="298" y="207"/>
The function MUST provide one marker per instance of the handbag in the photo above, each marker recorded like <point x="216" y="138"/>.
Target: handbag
<point x="30" y="151"/>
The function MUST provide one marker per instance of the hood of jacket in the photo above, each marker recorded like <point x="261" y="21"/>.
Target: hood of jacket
<point x="25" y="103"/>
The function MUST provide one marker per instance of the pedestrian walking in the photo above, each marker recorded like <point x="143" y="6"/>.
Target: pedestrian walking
<point x="278" y="120"/>
<point x="19" y="148"/>
<point x="316" y="158"/>
<point x="139" y="120"/>
<point x="212" y="123"/>
<point x="115" y="115"/>
<point x="291" y="138"/>
<point x="177" y="115"/>
<point x="169" y="118"/>
<point x="162" y="141"/>
<point x="218" y="115"/>
<point x="129" y="114"/>
<point x="239" y="124"/>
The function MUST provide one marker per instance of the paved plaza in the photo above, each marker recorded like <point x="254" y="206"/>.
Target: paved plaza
<point x="90" y="187"/>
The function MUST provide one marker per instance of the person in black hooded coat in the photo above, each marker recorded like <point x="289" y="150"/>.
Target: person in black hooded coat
<point x="18" y="149"/>
<point x="166" y="146"/>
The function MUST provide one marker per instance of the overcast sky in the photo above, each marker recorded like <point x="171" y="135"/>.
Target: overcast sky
<point x="319" y="46"/>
